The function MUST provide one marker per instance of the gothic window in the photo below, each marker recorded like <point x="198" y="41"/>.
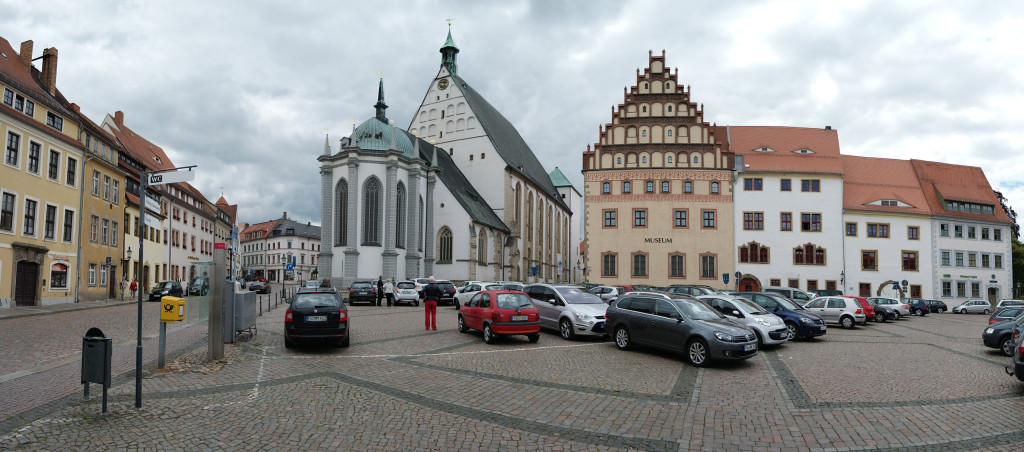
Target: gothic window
<point x="371" y="212"/>
<point x="670" y="111"/>
<point x="644" y="109"/>
<point x="643" y="133"/>
<point x="423" y="225"/>
<point x="481" y="247"/>
<point x="400" y="216"/>
<point x="341" y="195"/>
<point x="809" y="254"/>
<point x="670" y="157"/>
<point x="755" y="253"/>
<point x="670" y="130"/>
<point x="444" y="245"/>
<point x="618" y="160"/>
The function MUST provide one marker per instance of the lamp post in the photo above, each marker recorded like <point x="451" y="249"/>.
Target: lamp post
<point x="127" y="262"/>
<point x="582" y="266"/>
<point x="842" y="281"/>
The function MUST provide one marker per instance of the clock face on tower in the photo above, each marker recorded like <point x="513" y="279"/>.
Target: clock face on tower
<point x="442" y="84"/>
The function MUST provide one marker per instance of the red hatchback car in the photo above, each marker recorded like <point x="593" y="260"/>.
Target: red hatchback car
<point x="500" y="313"/>
<point x="869" y="310"/>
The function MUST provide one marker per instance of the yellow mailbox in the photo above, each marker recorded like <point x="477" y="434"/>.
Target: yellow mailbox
<point x="172" y="309"/>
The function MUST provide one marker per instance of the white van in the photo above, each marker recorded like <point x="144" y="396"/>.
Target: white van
<point x="797" y="295"/>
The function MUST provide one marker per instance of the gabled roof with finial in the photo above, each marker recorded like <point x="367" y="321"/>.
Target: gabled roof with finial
<point x="375" y="134"/>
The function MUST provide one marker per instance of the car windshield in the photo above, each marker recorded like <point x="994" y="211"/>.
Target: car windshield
<point x="315" y="300"/>
<point x="513" y="301"/>
<point x="361" y="285"/>
<point x="423" y="281"/>
<point x="406" y="285"/>
<point x="312" y="284"/>
<point x="788" y="304"/>
<point x="163" y="285"/>
<point x="576" y="295"/>
<point x="748" y="307"/>
<point x="696" y="310"/>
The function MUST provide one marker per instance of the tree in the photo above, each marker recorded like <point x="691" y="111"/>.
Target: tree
<point x="1014" y="228"/>
<point x="1016" y="247"/>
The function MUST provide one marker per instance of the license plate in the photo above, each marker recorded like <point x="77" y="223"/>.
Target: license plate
<point x="519" y="318"/>
<point x="749" y="347"/>
<point x="316" y="318"/>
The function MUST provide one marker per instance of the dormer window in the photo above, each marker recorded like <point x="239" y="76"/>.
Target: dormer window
<point x="764" y="149"/>
<point x="890" y="202"/>
<point x="803" y="151"/>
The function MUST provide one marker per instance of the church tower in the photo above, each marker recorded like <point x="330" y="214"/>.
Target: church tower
<point x="449" y="53"/>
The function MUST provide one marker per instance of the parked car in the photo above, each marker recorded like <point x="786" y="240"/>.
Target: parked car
<point x="608" y="293"/>
<point x="800" y="323"/>
<point x="316" y="315"/>
<point x="973" y="307"/>
<point x="769" y="328"/>
<point x="512" y="285"/>
<point x="260" y="287"/>
<point x="825" y="293"/>
<point x="362" y="291"/>
<point x="888" y="312"/>
<point x="165" y="289"/>
<point x="999" y="336"/>
<point x="199" y="286"/>
<point x="679" y="323"/>
<point x="447" y="292"/>
<point x="1004" y="314"/>
<point x="1017" y="364"/>
<point x="569" y="309"/>
<point x="692" y="290"/>
<point x="500" y="313"/>
<point x="800" y="297"/>
<point x="918" y="306"/>
<point x="405" y="292"/>
<point x="1009" y="302"/>
<point x="840" y="310"/>
<point x="936" y="306"/>
<point x="466" y="292"/>
<point x="901" y="307"/>
<point x="869" y="309"/>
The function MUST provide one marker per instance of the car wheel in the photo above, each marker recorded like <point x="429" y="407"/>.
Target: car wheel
<point x="897" y="315"/>
<point x="918" y="312"/>
<point x="697" y="352"/>
<point x="489" y="335"/>
<point x="792" y="331"/>
<point x="288" y="344"/>
<point x="939" y="311"/>
<point x="1006" y="346"/>
<point x="565" y="327"/>
<point x="462" y="325"/>
<point x="760" y="339"/>
<point x="622" y="339"/>
<point x="416" y="303"/>
<point x="846" y="322"/>
<point x="879" y="317"/>
<point x="534" y="337"/>
<point x="987" y="312"/>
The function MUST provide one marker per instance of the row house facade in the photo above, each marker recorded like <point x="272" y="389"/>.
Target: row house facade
<point x="41" y="178"/>
<point x="254" y="251"/>
<point x="295" y="243"/>
<point x="658" y="189"/>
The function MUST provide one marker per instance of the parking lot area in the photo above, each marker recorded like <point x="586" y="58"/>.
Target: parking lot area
<point x="922" y="383"/>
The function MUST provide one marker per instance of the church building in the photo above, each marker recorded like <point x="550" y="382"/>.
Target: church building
<point x="424" y="201"/>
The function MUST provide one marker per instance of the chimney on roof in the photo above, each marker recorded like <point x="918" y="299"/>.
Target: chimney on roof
<point x="828" y="127"/>
<point x="26" y="53"/>
<point x="284" y="215"/>
<point x="119" y="117"/>
<point x="76" y="108"/>
<point x="49" y="72"/>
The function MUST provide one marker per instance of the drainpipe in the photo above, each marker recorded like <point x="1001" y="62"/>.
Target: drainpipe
<point x="81" y="200"/>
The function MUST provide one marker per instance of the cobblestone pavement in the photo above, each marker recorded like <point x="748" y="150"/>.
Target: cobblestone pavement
<point x="916" y="384"/>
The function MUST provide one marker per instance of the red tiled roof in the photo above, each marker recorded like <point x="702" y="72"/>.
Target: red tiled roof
<point x="230" y="209"/>
<point x="945" y="181"/>
<point x="869" y="179"/>
<point x="264" y="227"/>
<point x="743" y="140"/>
<point x="13" y="67"/>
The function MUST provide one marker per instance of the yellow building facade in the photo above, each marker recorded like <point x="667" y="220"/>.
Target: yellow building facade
<point x="103" y="213"/>
<point x="41" y="174"/>
<point x="658" y="190"/>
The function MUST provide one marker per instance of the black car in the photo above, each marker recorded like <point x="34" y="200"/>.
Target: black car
<point x="883" y="312"/>
<point x="316" y="316"/>
<point x="936" y="306"/>
<point x="447" y="292"/>
<point x="1000" y="335"/>
<point x="918" y="306"/>
<point x="362" y="291"/>
<point x="166" y="289"/>
<point x="199" y="286"/>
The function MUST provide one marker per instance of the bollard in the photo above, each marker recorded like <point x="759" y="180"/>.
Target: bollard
<point x="261" y="306"/>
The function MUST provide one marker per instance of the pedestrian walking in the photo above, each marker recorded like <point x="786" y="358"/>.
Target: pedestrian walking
<point x="389" y="291"/>
<point x="124" y="286"/>
<point x="431" y="294"/>
<point x="380" y="289"/>
<point x="133" y="287"/>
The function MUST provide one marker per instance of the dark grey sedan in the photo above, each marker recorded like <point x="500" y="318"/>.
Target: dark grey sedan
<point x="678" y="323"/>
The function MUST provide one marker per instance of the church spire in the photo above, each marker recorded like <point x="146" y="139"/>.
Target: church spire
<point x="381" y="106"/>
<point x="449" y="52"/>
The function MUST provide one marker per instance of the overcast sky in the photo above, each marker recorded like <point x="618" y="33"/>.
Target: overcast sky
<point x="246" y="89"/>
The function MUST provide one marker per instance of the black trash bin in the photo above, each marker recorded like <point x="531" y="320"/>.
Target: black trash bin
<point x="96" y="359"/>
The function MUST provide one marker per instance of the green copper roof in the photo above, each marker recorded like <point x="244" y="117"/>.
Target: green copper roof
<point x="559" y="179"/>
<point x="375" y="135"/>
<point x="449" y="42"/>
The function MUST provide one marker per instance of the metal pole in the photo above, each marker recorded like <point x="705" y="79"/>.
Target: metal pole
<point x="138" y="340"/>
<point x="163" y="345"/>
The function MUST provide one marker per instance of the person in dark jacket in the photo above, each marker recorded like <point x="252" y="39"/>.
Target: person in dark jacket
<point x="431" y="294"/>
<point x="380" y="289"/>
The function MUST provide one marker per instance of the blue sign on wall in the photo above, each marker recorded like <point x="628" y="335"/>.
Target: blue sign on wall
<point x="725" y="278"/>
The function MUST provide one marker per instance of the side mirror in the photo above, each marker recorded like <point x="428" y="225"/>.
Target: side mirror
<point x="736" y="313"/>
<point x="554" y="302"/>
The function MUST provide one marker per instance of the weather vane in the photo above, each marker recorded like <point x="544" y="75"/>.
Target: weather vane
<point x="379" y="75"/>
<point x="449" y="22"/>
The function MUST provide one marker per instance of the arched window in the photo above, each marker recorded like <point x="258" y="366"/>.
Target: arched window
<point x="606" y="188"/>
<point x="400" y="215"/>
<point x="481" y="247"/>
<point x="519" y="207"/>
<point x="643" y="159"/>
<point x="714" y="187"/>
<point x="371" y="212"/>
<point x="670" y="130"/>
<point x="664" y="186"/>
<point x="688" y="187"/>
<point x="670" y="111"/>
<point x="444" y="245"/>
<point x="670" y="157"/>
<point x="627" y="187"/>
<point x="618" y="160"/>
<point x="695" y="159"/>
<point x="423" y="225"/>
<point x="649" y="186"/>
<point x="754" y="252"/>
<point x="644" y="109"/>
<point x="643" y="133"/>
<point x="341" y="226"/>
<point x="646" y="86"/>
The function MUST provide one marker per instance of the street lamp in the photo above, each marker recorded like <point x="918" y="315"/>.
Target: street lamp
<point x="582" y="266"/>
<point x="842" y="281"/>
<point x="127" y="262"/>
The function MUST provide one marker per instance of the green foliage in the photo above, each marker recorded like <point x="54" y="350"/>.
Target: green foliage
<point x="1018" y="267"/>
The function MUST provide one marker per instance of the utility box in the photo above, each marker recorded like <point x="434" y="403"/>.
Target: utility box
<point x="172" y="309"/>
<point x="97" y="350"/>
